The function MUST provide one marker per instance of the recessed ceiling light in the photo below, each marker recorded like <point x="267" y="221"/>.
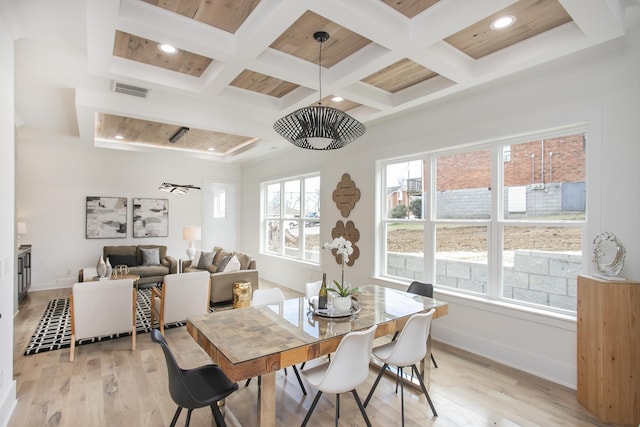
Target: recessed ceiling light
<point x="211" y="149"/>
<point x="337" y="99"/>
<point x="167" y="48"/>
<point x="119" y="137"/>
<point x="503" y="22"/>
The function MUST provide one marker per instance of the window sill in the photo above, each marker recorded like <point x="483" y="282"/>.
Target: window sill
<point x="557" y="320"/>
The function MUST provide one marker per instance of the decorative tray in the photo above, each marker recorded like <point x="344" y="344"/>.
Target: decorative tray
<point x="330" y="312"/>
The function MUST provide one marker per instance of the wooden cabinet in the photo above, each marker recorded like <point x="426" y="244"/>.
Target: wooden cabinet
<point x="23" y="271"/>
<point x="609" y="349"/>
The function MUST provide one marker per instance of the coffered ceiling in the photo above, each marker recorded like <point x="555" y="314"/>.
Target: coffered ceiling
<point x="240" y="65"/>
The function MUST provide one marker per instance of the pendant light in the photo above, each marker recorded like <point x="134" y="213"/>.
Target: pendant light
<point x="319" y="127"/>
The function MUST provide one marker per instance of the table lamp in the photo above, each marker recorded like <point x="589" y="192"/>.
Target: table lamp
<point x="191" y="233"/>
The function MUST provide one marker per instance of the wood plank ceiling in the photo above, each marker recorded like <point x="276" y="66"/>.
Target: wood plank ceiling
<point x="477" y="40"/>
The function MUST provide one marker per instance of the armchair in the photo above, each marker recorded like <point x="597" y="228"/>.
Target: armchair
<point x="102" y="308"/>
<point x="182" y="295"/>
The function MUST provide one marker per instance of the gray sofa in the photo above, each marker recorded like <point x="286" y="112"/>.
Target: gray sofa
<point x="134" y="258"/>
<point x="222" y="281"/>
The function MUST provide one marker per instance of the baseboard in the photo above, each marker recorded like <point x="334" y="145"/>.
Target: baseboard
<point x="61" y="283"/>
<point x="8" y="404"/>
<point x="549" y="369"/>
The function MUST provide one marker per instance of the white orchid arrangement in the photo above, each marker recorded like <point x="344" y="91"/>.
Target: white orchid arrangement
<point x="344" y="248"/>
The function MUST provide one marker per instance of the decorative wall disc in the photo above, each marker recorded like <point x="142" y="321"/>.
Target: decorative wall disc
<point x="346" y="195"/>
<point x="351" y="233"/>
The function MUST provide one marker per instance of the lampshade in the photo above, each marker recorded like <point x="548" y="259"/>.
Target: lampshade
<point x="319" y="127"/>
<point x="191" y="232"/>
<point x="21" y="228"/>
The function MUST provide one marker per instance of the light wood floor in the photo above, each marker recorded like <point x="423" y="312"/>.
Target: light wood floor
<point x="109" y="385"/>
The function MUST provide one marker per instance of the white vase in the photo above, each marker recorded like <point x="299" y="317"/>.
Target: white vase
<point x="109" y="268"/>
<point x="101" y="268"/>
<point x="342" y="304"/>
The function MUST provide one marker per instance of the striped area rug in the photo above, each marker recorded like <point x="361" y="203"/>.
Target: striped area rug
<point x="54" y="330"/>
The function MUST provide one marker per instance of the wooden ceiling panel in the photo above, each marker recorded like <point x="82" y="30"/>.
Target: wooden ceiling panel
<point x="533" y="17"/>
<point x="223" y="14"/>
<point x="398" y="76"/>
<point x="143" y="50"/>
<point x="344" y="105"/>
<point x="149" y="133"/>
<point x="298" y="40"/>
<point x="266" y="85"/>
<point x="410" y="8"/>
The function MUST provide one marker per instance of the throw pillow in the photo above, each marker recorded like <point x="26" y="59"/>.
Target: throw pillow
<point x="223" y="264"/>
<point x="233" y="264"/>
<point x="150" y="256"/>
<point x="244" y="259"/>
<point x="196" y="259"/>
<point x="206" y="259"/>
<point x="128" y="260"/>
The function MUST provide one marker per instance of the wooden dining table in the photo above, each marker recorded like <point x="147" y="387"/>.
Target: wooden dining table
<point x="251" y="341"/>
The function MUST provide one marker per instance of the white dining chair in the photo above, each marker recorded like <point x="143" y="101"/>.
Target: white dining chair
<point x="407" y="350"/>
<point x="348" y="369"/>
<point x="312" y="289"/>
<point x="268" y="296"/>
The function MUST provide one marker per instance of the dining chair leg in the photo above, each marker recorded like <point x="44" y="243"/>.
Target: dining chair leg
<point x="433" y="359"/>
<point x="295" y="371"/>
<point x="362" y="411"/>
<point x="337" y="408"/>
<point x="217" y="416"/>
<point x="313" y="406"/>
<point x="424" y="390"/>
<point x="186" y="424"/>
<point x="175" y="416"/>
<point x="375" y="384"/>
<point x="401" y="397"/>
<point x="398" y="374"/>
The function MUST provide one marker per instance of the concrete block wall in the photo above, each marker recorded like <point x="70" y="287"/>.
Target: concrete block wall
<point x="538" y="277"/>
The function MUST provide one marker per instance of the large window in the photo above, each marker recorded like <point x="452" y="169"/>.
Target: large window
<point x="291" y="217"/>
<point x="505" y="229"/>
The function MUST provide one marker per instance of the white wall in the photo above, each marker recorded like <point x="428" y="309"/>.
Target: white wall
<point x="55" y="174"/>
<point x="602" y="91"/>
<point x="7" y="246"/>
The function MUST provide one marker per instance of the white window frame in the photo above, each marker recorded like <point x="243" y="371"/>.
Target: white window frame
<point x="496" y="223"/>
<point x="286" y="221"/>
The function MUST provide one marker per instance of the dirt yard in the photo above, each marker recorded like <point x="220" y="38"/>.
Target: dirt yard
<point x="474" y="239"/>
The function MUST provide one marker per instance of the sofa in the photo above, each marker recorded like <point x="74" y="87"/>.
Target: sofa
<point x="224" y="271"/>
<point x="150" y="262"/>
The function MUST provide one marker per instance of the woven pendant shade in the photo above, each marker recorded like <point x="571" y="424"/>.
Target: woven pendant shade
<point x="319" y="127"/>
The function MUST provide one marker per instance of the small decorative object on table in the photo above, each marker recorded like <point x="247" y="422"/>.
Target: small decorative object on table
<point x="341" y="302"/>
<point x="608" y="269"/>
<point x="101" y="268"/>
<point x="109" y="269"/>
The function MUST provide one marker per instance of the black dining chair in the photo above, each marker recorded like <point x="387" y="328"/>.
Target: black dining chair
<point x="195" y="388"/>
<point x="425" y="290"/>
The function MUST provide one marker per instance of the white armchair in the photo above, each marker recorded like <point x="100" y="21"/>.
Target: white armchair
<point x="102" y="308"/>
<point x="182" y="296"/>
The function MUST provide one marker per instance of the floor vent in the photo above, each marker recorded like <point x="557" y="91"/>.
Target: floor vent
<point x="140" y="92"/>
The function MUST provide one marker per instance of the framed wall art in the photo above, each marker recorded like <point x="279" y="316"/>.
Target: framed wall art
<point x="106" y="217"/>
<point x="150" y="217"/>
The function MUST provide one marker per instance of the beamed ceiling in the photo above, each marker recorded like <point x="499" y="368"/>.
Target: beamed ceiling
<point x="243" y="64"/>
